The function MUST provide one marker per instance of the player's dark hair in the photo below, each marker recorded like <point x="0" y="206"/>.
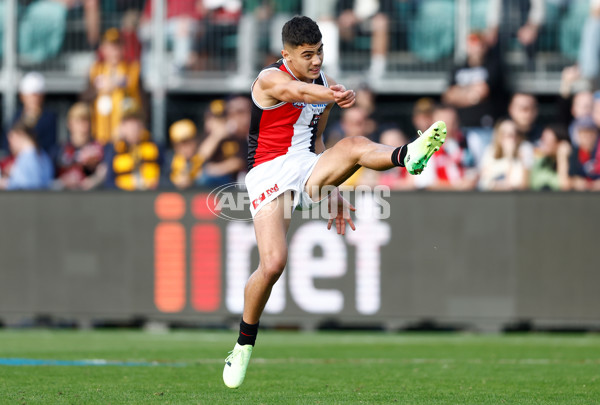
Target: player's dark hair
<point x="300" y="30"/>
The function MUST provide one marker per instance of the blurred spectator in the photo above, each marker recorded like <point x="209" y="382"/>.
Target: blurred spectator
<point x="503" y="166"/>
<point x="78" y="160"/>
<point x="6" y="164"/>
<point x="364" y="113"/>
<point x="367" y="17"/>
<point x="114" y="87"/>
<point x="128" y="13"/>
<point x="396" y="178"/>
<point x="431" y="30"/>
<point x="422" y="114"/>
<point x="33" y="113"/>
<point x="185" y="165"/>
<point x="523" y="110"/>
<point x="582" y="106"/>
<point x="220" y="19"/>
<point x="452" y="168"/>
<point x="229" y="159"/>
<point x="269" y="16"/>
<point x="325" y="14"/>
<point x="43" y="25"/>
<point x="133" y="161"/>
<point x="596" y="109"/>
<point x="239" y="110"/>
<point x="575" y="99"/>
<point x="589" y="48"/>
<point x="132" y="47"/>
<point x="32" y="168"/>
<point x="353" y="122"/>
<point x="550" y="170"/>
<point x="508" y="20"/>
<point x="584" y="164"/>
<point x="182" y="26"/>
<point x="365" y="99"/>
<point x="476" y="86"/>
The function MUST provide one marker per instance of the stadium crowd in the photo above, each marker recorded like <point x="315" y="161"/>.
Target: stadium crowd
<point x="496" y="140"/>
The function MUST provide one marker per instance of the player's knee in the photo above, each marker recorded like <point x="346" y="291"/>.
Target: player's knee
<point x="356" y="145"/>
<point x="272" y="266"/>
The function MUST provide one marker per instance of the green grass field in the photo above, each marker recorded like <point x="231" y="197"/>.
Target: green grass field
<point x="303" y="368"/>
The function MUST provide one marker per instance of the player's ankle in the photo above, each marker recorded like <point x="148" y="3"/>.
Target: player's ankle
<point x="398" y="156"/>
<point x="248" y="333"/>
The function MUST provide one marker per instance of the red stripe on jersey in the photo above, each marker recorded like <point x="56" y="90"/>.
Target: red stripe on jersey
<point x="275" y="132"/>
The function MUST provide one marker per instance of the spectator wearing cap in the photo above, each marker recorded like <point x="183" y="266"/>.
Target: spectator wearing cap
<point x="32" y="168"/>
<point x="584" y="164"/>
<point x="79" y="160"/>
<point x="133" y="161"/>
<point x="113" y="88"/>
<point x="185" y="164"/>
<point x="32" y="113"/>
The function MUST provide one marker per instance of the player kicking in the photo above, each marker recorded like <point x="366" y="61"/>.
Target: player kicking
<point x="288" y="166"/>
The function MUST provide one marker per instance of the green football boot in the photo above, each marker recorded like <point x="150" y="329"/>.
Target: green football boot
<point x="419" y="151"/>
<point x="236" y="364"/>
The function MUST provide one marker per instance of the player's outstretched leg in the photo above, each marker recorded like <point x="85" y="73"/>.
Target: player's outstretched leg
<point x="421" y="149"/>
<point x="340" y="161"/>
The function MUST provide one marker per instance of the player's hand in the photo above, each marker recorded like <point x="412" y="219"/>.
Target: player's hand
<point x="344" y="98"/>
<point x="339" y="211"/>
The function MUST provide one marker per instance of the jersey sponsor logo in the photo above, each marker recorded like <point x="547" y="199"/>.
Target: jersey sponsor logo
<point x="272" y="190"/>
<point x="268" y="192"/>
<point x="256" y="202"/>
<point x="315" y="107"/>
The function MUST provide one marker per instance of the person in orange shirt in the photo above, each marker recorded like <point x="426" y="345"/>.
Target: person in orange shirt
<point x="114" y="87"/>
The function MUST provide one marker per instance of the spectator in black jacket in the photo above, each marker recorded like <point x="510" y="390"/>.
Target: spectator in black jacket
<point x="33" y="113"/>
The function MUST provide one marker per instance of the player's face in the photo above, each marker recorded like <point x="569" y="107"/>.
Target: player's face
<point x="305" y="60"/>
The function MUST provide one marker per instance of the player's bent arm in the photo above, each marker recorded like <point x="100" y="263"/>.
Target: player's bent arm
<point x="280" y="86"/>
